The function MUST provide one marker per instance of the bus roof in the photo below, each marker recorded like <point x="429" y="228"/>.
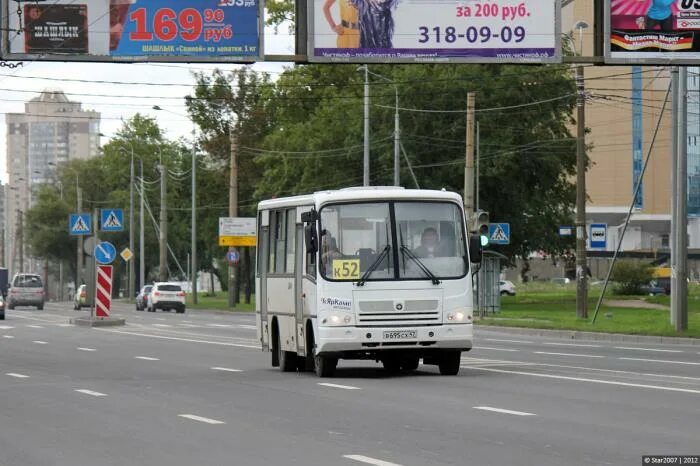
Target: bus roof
<point x="360" y="194"/>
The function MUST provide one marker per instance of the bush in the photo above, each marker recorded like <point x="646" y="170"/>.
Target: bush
<point x="629" y="277"/>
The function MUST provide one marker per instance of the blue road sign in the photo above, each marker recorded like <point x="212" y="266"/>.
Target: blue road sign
<point x="80" y="224"/>
<point x="599" y="235"/>
<point x="499" y="233"/>
<point x="233" y="256"/>
<point x="105" y="252"/>
<point x="111" y="219"/>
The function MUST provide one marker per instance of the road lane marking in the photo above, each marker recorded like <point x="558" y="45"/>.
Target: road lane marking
<point x="225" y="369"/>
<point x="64" y="325"/>
<point x="570" y="354"/>
<point x="191" y="340"/>
<point x="7" y="336"/>
<point x="572" y="344"/>
<point x="5" y="327"/>
<point x="508" y="341"/>
<point x="187" y="321"/>
<point x="35" y="326"/>
<point x="146" y="358"/>
<point x="649" y="349"/>
<point x="39" y="342"/>
<point x="503" y="411"/>
<point x="90" y="392"/>
<point x="584" y="379"/>
<point x="249" y="327"/>
<point x="661" y="360"/>
<point x="86" y="349"/>
<point x="220" y="325"/>
<point x="201" y="419"/>
<point x="494" y="349"/>
<point x="162" y="325"/>
<point x="159" y="318"/>
<point x="368" y="460"/>
<point x="17" y="376"/>
<point x="335" y="385"/>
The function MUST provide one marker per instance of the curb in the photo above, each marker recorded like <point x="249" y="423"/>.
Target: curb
<point x="593" y="336"/>
<point x="88" y="322"/>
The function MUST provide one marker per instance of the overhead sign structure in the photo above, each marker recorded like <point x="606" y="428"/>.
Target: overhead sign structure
<point x="105" y="252"/>
<point x="237" y="231"/>
<point x="80" y="224"/>
<point x="111" y="219"/>
<point x="664" y="32"/>
<point x="133" y="30"/>
<point x="499" y="233"/>
<point x="598" y="235"/>
<point x="523" y="31"/>
<point x="103" y="291"/>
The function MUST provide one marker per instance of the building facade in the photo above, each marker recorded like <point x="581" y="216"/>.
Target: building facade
<point x="51" y="130"/>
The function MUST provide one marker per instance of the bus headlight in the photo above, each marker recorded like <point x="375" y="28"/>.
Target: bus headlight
<point x="459" y="316"/>
<point x="337" y="319"/>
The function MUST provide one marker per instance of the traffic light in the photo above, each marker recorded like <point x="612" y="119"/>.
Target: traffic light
<point x="481" y="222"/>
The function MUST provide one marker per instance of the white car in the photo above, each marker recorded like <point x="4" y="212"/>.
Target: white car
<point x="166" y="296"/>
<point x="507" y="287"/>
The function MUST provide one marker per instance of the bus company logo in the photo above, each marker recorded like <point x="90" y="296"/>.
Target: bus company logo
<point x="337" y="303"/>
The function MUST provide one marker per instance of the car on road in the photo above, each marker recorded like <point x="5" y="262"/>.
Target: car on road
<point x="80" y="299"/>
<point x="506" y="287"/>
<point x="27" y="289"/>
<point x="142" y="297"/>
<point x="166" y="296"/>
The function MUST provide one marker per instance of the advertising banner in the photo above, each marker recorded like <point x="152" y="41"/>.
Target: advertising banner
<point x="365" y="31"/>
<point x="652" y="31"/>
<point x="133" y="30"/>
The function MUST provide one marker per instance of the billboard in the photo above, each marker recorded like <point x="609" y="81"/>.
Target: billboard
<point x="420" y="31"/>
<point x="652" y="31"/>
<point x="132" y="30"/>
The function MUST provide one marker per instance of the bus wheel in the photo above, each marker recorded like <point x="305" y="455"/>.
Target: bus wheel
<point x="287" y="359"/>
<point x="325" y="366"/>
<point x="449" y="362"/>
<point x="409" y="364"/>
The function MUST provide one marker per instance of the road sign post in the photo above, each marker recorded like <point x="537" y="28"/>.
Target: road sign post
<point x="103" y="291"/>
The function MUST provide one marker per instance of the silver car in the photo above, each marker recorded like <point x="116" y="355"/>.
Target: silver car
<point x="27" y="289"/>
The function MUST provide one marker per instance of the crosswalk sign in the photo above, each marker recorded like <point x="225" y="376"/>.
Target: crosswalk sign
<point x="79" y="224"/>
<point x="111" y="219"/>
<point x="499" y="233"/>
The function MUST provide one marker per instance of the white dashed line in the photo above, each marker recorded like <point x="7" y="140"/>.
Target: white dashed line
<point x="225" y="369"/>
<point x="661" y="360"/>
<point x="39" y="342"/>
<point x="146" y="358"/>
<point x="64" y="325"/>
<point x="7" y="336"/>
<point x="649" y="349"/>
<point x="201" y="419"/>
<point x="187" y="321"/>
<point x="162" y="325"/>
<point x="35" y="326"/>
<point x="86" y="349"/>
<point x="344" y="387"/>
<point x="17" y="376"/>
<point x="368" y="460"/>
<point x="90" y="392"/>
<point x="573" y="344"/>
<point x="495" y="349"/>
<point x="5" y="327"/>
<point x="503" y="411"/>
<point x="249" y="327"/>
<point x="220" y="325"/>
<point x="570" y="354"/>
<point x="508" y="341"/>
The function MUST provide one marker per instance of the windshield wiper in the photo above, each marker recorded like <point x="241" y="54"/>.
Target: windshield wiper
<point x="423" y="267"/>
<point x="375" y="264"/>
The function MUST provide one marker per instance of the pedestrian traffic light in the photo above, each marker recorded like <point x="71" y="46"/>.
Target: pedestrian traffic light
<point x="482" y="226"/>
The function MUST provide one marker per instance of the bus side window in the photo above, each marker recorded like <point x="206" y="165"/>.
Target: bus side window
<point x="280" y="241"/>
<point x="271" y="242"/>
<point x="291" y="239"/>
<point x="259" y="261"/>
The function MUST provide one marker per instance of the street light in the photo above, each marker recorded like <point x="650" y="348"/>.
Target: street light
<point x="132" y="277"/>
<point x="396" y="126"/>
<point x="193" y="237"/>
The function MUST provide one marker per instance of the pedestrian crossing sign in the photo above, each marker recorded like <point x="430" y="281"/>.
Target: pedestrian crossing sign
<point x="499" y="233"/>
<point x="79" y="224"/>
<point x="111" y="219"/>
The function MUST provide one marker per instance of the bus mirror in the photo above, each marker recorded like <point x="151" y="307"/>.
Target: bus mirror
<point x="309" y="216"/>
<point x="311" y="238"/>
<point x="475" y="249"/>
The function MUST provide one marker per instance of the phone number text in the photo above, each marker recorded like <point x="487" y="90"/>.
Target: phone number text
<point x="472" y="34"/>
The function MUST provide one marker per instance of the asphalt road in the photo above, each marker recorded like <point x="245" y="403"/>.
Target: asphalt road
<point x="195" y="389"/>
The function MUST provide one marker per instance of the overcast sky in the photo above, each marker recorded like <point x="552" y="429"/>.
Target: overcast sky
<point x="21" y="84"/>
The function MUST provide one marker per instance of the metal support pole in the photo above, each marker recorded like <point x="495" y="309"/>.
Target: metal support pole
<point x="163" y="249"/>
<point x="365" y="171"/>
<point x="193" y="238"/>
<point x="142" y="242"/>
<point x="397" y="166"/>
<point x="476" y="203"/>
<point x="469" y="161"/>
<point x="132" y="276"/>
<point x="679" y="284"/>
<point x="674" y="169"/>
<point x="233" y="212"/>
<point x="80" y="264"/>
<point x="581" y="262"/>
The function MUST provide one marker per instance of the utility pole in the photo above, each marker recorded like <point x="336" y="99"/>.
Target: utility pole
<point x="79" y="258"/>
<point x="675" y="116"/>
<point x="233" y="212"/>
<point x="397" y="166"/>
<point x="132" y="275"/>
<point x="193" y="233"/>
<point x="142" y="259"/>
<point x="20" y="234"/>
<point x="163" y="243"/>
<point x="365" y="171"/>
<point x="469" y="161"/>
<point x="679" y="284"/>
<point x="581" y="262"/>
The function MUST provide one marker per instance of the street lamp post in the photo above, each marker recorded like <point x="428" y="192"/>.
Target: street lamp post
<point x="397" y="141"/>
<point x="132" y="276"/>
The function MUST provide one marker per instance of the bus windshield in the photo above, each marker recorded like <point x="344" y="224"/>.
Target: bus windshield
<point x="359" y="240"/>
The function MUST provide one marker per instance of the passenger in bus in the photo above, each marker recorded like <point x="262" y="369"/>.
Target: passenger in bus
<point x="429" y="244"/>
<point x="329" y="252"/>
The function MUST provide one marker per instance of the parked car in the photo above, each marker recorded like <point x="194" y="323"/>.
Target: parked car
<point x="27" y="289"/>
<point x="2" y="308"/>
<point x="142" y="297"/>
<point x="80" y="299"/>
<point x="507" y="287"/>
<point x="561" y="280"/>
<point x="653" y="288"/>
<point x="166" y="296"/>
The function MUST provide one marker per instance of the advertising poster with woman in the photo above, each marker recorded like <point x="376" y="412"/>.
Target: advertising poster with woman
<point x="653" y="30"/>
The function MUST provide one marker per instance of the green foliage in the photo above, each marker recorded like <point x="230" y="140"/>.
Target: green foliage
<point x="630" y="276"/>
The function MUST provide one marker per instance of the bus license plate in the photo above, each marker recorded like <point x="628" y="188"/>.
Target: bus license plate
<point x="399" y="334"/>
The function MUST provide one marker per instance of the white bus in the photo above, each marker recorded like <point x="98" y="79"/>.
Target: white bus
<point x="377" y="273"/>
